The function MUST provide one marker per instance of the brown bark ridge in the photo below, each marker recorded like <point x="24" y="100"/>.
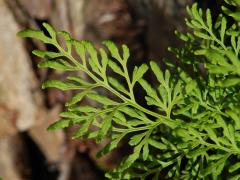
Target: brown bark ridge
<point x="17" y="82"/>
<point x="21" y="101"/>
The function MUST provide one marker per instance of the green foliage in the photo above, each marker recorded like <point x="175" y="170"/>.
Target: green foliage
<point x="193" y="131"/>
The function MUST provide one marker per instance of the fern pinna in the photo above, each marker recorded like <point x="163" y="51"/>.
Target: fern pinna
<point x="193" y="131"/>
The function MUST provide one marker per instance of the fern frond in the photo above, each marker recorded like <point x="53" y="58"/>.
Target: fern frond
<point x="194" y="129"/>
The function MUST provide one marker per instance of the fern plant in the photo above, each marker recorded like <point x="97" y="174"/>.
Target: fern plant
<point x="193" y="128"/>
